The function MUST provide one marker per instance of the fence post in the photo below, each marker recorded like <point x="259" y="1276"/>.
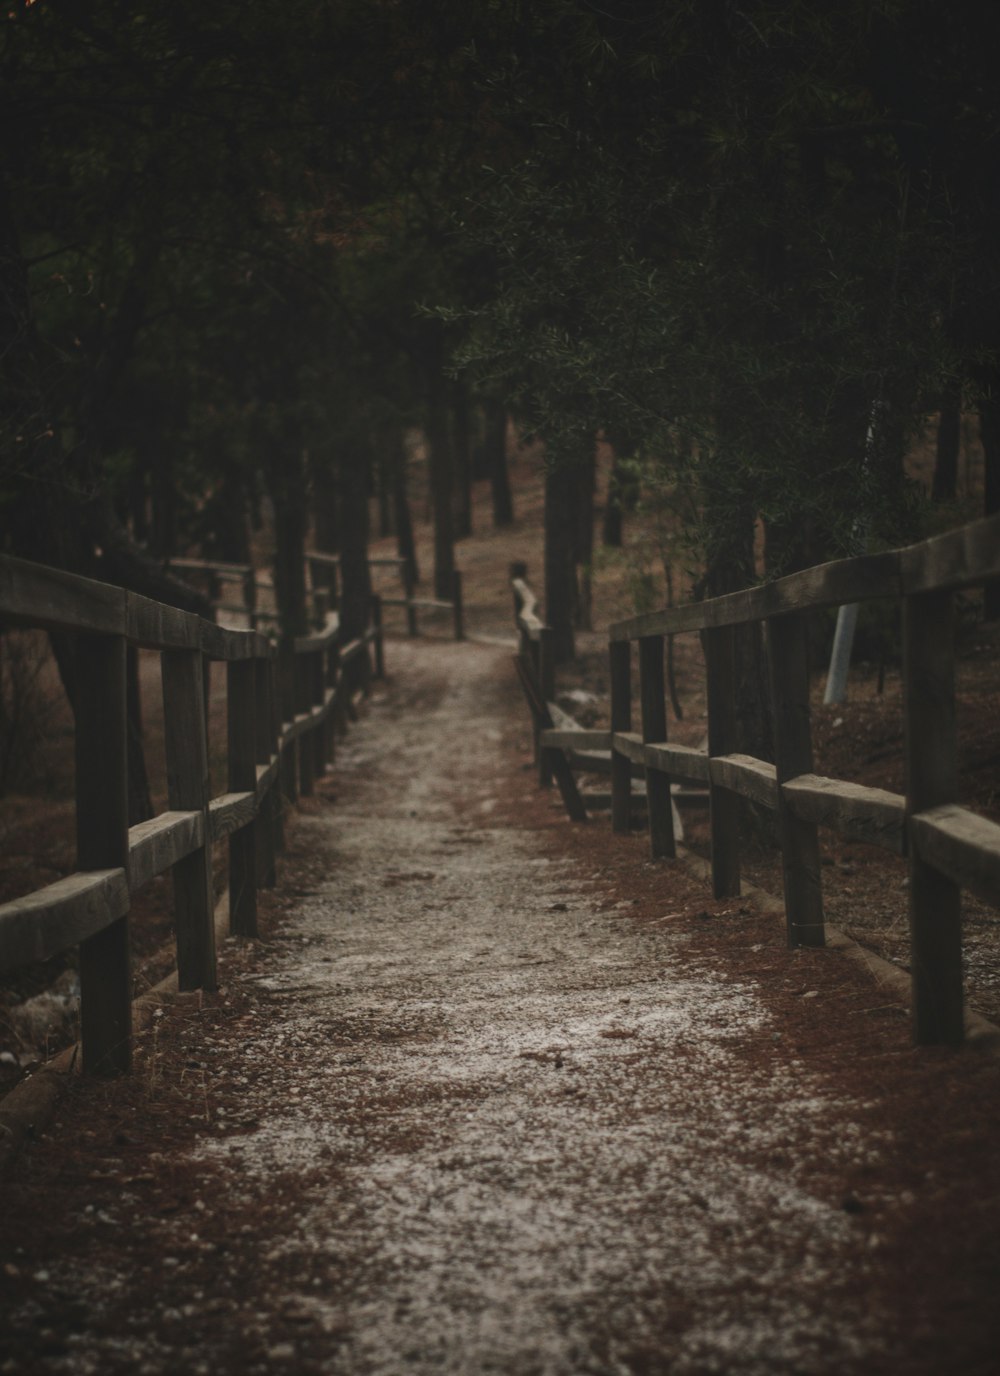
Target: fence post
<point x="188" y="790"/>
<point x="277" y="789"/>
<point x="379" y="641"/>
<point x="718" y="643"/>
<point x="303" y="675"/>
<point x="102" y="843"/>
<point x="264" y="823"/>
<point x="545" y="670"/>
<point x="411" y="611"/>
<point x="317" y="737"/>
<point x="287" y="699"/>
<point x="788" y="660"/>
<point x="242" y="751"/>
<point x="931" y="780"/>
<point x="250" y="596"/>
<point x="620" y="654"/>
<point x="653" y="699"/>
<point x="456" y="595"/>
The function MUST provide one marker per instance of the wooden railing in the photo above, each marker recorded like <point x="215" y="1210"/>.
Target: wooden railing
<point x="948" y="848"/>
<point x="323" y="578"/>
<point x="281" y="701"/>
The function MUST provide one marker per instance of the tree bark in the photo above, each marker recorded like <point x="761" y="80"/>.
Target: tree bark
<point x="463" y="460"/>
<point x="496" y="445"/>
<point x="583" y="533"/>
<point x="945" y="484"/>
<point x="405" y="544"/>
<point x="356" y="587"/>
<point x="440" y="483"/>
<point x="560" y="582"/>
<point x="285" y="476"/>
<point x="989" y="430"/>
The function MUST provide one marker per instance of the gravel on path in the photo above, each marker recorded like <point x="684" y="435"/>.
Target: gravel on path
<point x="461" y="1115"/>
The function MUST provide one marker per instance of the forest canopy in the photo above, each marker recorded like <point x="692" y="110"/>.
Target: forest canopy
<point x="242" y="247"/>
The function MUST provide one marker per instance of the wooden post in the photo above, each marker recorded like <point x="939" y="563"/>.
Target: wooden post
<point x="321" y="605"/>
<point x="931" y="780"/>
<point x="334" y="719"/>
<point x="724" y="806"/>
<point x="653" y="698"/>
<point x="411" y="611"/>
<point x="287" y="700"/>
<point x="545" y="672"/>
<point x="276" y="791"/>
<point x="242" y="751"/>
<point x="620" y="653"/>
<point x="303" y="704"/>
<point x="187" y="787"/>
<point x="264" y="824"/>
<point x="250" y="596"/>
<point x="379" y="639"/>
<point x="456" y="596"/>
<point x="102" y="843"/>
<point x="788" y="660"/>
<point x="317" y="737"/>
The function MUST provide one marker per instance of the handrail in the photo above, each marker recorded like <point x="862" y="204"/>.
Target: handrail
<point x="948" y="847"/>
<point x="281" y="704"/>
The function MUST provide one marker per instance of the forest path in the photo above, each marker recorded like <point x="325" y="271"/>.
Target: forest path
<point x="462" y="1114"/>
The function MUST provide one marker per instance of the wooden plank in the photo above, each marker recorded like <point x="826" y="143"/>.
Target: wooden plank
<point x="241" y="737"/>
<point x="51" y="920"/>
<point x="35" y="595"/>
<point x="830" y="585"/>
<point x="576" y="739"/>
<point x="232" y="571"/>
<point x="653" y="707"/>
<point x="630" y="745"/>
<point x="680" y="761"/>
<point x="744" y="774"/>
<point x="724" y="808"/>
<point x="865" y="814"/>
<point x="155" y="626"/>
<point x="788" y="663"/>
<point x="545" y="670"/>
<point x="187" y="789"/>
<point x="620" y="663"/>
<point x="958" y="559"/>
<point x="155" y="846"/>
<point x="265" y="775"/>
<point x="930" y="748"/>
<point x="102" y="844"/>
<point x="964" y="847"/>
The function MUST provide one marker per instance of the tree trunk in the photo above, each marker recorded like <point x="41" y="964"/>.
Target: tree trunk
<point x="440" y="484"/>
<point x="463" y="460"/>
<point x="287" y="486"/>
<point x="583" y="532"/>
<point x="560" y="582"/>
<point x="496" y="446"/>
<point x="948" y="441"/>
<point x="356" y="587"/>
<point x="989" y="430"/>
<point x="405" y="544"/>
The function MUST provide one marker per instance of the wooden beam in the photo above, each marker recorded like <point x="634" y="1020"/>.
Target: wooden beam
<point x="744" y="774"/>
<point x="49" y="921"/>
<point x="724" y="809"/>
<point x="187" y="788"/>
<point x="788" y="663"/>
<point x="962" y="846"/>
<point x="872" y="815"/>
<point x="102" y="844"/>
<point x="653" y="706"/>
<point x="155" y="846"/>
<point x="241" y="731"/>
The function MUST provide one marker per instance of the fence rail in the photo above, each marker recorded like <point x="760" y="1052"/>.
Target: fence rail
<point x="280" y="699"/>
<point x="323" y="572"/>
<point x="948" y="848"/>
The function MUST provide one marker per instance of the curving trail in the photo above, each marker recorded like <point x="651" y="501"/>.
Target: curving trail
<point x="462" y="1116"/>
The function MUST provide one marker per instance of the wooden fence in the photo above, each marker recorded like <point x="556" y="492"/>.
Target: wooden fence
<point x="323" y="572"/>
<point x="281" y="700"/>
<point x="948" y="848"/>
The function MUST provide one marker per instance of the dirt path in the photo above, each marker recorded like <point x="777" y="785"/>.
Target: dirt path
<point x="461" y="1114"/>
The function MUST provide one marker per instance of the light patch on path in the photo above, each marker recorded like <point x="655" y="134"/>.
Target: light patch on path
<point x="542" y="1157"/>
